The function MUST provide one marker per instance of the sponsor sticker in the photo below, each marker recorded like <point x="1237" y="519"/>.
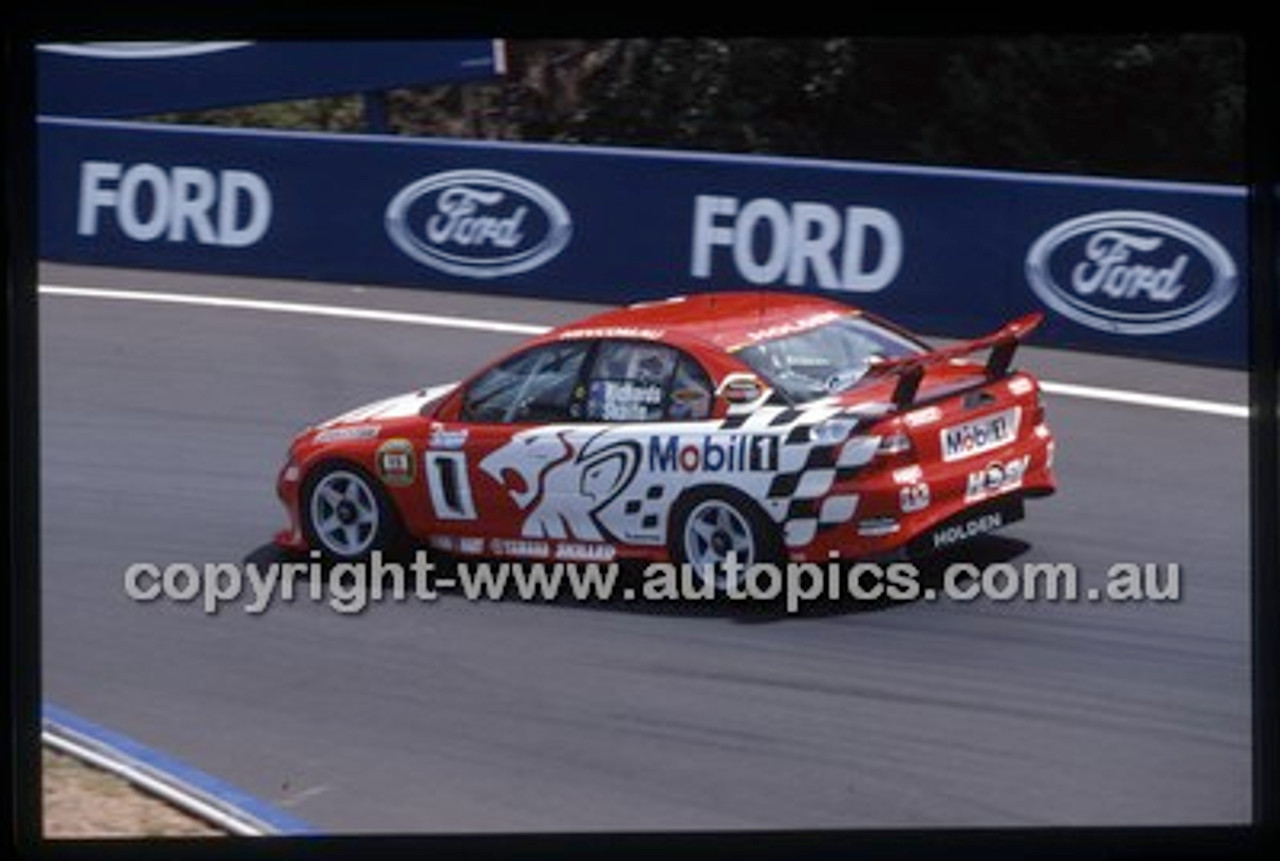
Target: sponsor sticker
<point x="707" y="453"/>
<point x="908" y="474"/>
<point x="623" y="400"/>
<point x="444" y="438"/>
<point x="520" y="547"/>
<point x="914" y="497"/>
<point x="585" y="552"/>
<point x="793" y="327"/>
<point x="925" y="416"/>
<point x="396" y="462"/>
<point x="471" y="544"/>
<point x="996" y="477"/>
<point x="340" y="434"/>
<point x="980" y="435"/>
<point x="614" y="332"/>
<point x="987" y="517"/>
<point x="967" y="529"/>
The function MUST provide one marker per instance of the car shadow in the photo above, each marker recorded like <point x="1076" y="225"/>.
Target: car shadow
<point x="268" y="554"/>
<point x="918" y="581"/>
<point x="882" y="587"/>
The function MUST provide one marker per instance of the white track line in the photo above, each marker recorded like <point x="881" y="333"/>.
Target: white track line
<point x="1070" y="390"/>
<point x="1167" y="402"/>
<point x="297" y="308"/>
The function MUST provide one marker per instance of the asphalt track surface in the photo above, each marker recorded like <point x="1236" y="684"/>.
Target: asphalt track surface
<point x="162" y="428"/>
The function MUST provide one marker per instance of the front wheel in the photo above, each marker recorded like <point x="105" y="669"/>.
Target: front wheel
<point x="347" y="515"/>
<point x="717" y="530"/>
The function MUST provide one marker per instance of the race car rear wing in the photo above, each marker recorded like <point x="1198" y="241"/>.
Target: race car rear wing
<point x="1002" y="343"/>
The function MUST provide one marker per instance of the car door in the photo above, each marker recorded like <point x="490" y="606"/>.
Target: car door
<point x="482" y="474"/>
<point x="635" y="393"/>
<point x="547" y="445"/>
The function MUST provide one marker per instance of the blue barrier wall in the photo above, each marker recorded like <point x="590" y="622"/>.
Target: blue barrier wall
<point x="1151" y="269"/>
<point x="123" y="79"/>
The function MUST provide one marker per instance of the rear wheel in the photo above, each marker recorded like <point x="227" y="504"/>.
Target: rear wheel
<point x="714" y="530"/>
<point x="347" y="515"/>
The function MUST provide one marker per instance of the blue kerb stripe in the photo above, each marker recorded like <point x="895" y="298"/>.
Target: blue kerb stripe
<point x="189" y="775"/>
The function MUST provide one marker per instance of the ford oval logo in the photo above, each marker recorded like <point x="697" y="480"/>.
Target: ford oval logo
<point x="1132" y="273"/>
<point x="478" y="223"/>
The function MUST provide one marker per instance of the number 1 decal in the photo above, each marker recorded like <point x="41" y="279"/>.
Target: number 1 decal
<point x="449" y="485"/>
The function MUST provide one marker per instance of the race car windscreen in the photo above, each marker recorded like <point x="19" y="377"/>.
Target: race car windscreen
<point x="827" y="359"/>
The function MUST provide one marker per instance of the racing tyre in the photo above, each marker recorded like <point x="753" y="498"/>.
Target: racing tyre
<point x="709" y="526"/>
<point x="347" y="515"/>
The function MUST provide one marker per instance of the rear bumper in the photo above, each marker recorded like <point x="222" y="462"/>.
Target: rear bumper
<point x="918" y="509"/>
<point x="966" y="525"/>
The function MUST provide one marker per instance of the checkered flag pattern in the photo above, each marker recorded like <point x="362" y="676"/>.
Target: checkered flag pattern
<point x="799" y="496"/>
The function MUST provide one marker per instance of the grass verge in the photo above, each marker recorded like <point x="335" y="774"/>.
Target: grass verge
<point x="81" y="801"/>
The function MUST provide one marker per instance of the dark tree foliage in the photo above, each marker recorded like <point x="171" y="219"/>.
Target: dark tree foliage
<point x="1148" y="106"/>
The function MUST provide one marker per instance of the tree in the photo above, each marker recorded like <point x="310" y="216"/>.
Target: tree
<point x="1162" y="106"/>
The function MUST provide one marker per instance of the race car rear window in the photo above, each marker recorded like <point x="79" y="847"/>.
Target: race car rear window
<point x="828" y="358"/>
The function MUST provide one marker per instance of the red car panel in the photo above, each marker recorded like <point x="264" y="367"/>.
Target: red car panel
<point x="671" y="429"/>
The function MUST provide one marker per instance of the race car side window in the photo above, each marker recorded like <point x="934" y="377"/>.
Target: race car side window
<point x="690" y="394"/>
<point x="536" y="385"/>
<point x="640" y="381"/>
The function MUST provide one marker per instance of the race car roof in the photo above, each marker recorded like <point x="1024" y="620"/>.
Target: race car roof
<point x="727" y="320"/>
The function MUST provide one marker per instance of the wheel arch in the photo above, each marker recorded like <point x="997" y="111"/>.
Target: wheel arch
<point x="332" y="462"/>
<point x="771" y="531"/>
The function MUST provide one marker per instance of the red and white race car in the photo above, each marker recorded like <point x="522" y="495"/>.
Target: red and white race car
<point x="774" y="427"/>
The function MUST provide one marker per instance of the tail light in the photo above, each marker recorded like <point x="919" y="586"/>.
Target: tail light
<point x="1037" y="411"/>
